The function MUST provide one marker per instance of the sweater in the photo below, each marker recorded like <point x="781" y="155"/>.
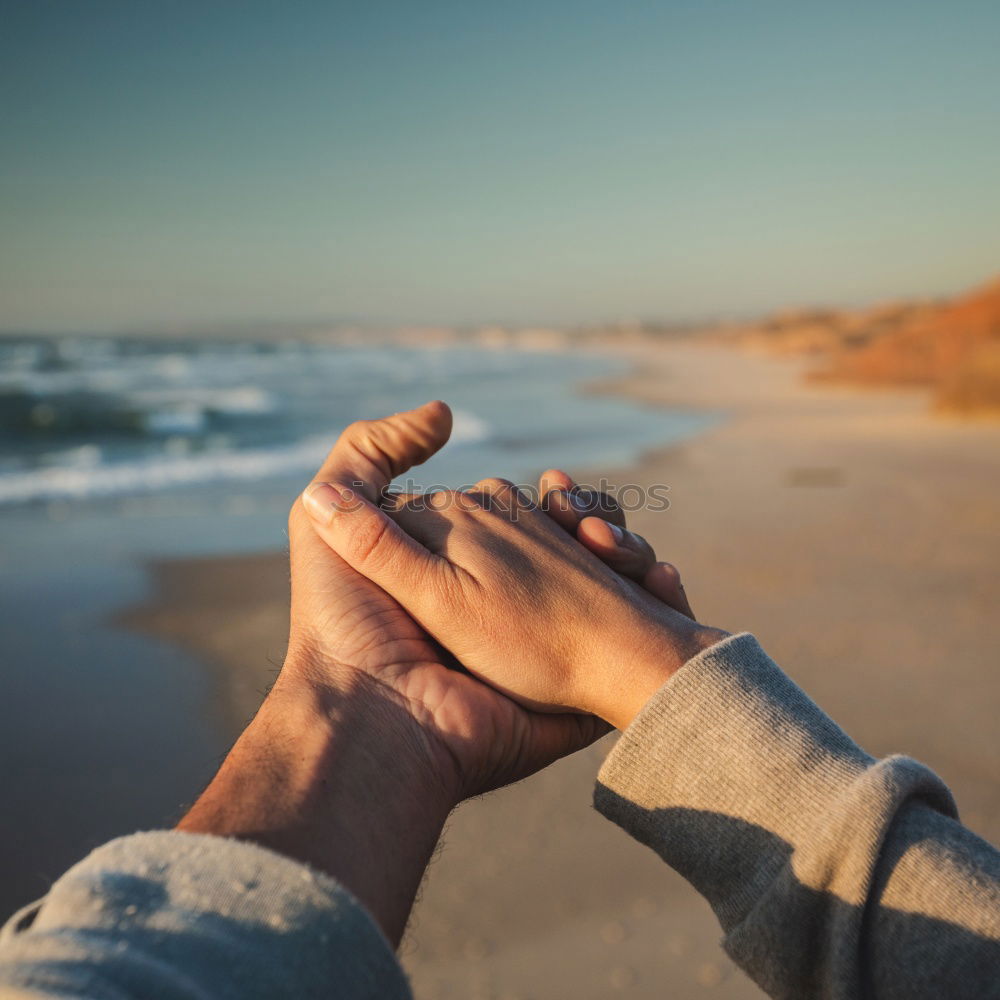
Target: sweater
<point x="832" y="874"/>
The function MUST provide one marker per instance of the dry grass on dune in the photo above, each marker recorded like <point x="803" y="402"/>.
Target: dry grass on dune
<point x="951" y="347"/>
<point x="974" y="386"/>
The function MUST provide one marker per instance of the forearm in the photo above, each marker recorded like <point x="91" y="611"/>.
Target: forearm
<point x="829" y="871"/>
<point x="331" y="774"/>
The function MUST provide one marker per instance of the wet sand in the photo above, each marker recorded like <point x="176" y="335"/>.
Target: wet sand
<point x="856" y="535"/>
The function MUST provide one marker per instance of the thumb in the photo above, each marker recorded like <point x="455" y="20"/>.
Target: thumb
<point x="371" y="543"/>
<point x="369" y="454"/>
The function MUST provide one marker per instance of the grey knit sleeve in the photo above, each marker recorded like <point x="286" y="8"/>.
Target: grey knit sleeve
<point x="179" y="916"/>
<point x="832" y="874"/>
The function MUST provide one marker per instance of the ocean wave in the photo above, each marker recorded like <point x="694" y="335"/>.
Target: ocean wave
<point x="243" y="400"/>
<point x="82" y="476"/>
<point x="154" y="412"/>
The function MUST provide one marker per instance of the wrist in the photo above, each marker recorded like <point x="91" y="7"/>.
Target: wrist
<point x="371" y="732"/>
<point x="659" y="645"/>
<point x="332" y="772"/>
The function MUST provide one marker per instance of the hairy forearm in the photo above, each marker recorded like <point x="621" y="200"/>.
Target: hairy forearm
<point x="333" y="773"/>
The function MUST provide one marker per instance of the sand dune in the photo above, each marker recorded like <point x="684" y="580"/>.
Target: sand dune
<point x="950" y="346"/>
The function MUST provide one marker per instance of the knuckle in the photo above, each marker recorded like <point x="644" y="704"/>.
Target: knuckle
<point x="670" y="571"/>
<point x="461" y="500"/>
<point x="365" y="541"/>
<point x="496" y="494"/>
<point x="381" y="443"/>
<point x="358" y="429"/>
<point x="494" y="484"/>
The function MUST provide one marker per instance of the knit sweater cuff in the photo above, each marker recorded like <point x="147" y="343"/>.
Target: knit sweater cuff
<point x="730" y="771"/>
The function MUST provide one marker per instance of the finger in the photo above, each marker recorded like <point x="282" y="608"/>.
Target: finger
<point x="555" y="479"/>
<point x="631" y="555"/>
<point x="369" y="454"/>
<point x="624" y="551"/>
<point x="421" y="515"/>
<point x="567" y="503"/>
<point x="663" y="581"/>
<point x="594" y="503"/>
<point x="371" y="543"/>
<point x="554" y="736"/>
<point x="559" y="507"/>
<point x="554" y="487"/>
<point x="501" y="496"/>
<point x="492" y="485"/>
<point x="546" y="739"/>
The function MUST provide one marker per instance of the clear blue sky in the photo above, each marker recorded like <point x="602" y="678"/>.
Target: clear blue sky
<point x="186" y="162"/>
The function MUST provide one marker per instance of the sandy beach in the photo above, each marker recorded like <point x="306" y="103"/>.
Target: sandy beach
<point x="855" y="534"/>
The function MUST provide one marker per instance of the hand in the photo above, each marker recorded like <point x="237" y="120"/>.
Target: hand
<point x="515" y="599"/>
<point x="346" y="628"/>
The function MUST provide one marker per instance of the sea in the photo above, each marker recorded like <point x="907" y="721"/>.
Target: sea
<point x="115" y="451"/>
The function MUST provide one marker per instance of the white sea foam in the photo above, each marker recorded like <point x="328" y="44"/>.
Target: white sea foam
<point x="243" y="400"/>
<point x="77" y="480"/>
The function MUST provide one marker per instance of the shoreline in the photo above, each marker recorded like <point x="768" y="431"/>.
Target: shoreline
<point x="851" y="530"/>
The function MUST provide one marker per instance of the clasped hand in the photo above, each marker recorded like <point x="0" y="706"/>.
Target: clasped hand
<point x="545" y="610"/>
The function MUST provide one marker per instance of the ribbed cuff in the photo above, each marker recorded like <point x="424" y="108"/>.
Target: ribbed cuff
<point x="730" y="769"/>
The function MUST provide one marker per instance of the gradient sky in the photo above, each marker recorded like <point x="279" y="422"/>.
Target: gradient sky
<point x="176" y="163"/>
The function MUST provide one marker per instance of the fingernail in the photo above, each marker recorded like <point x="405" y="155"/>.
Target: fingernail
<point x="323" y="500"/>
<point x="617" y="533"/>
<point x="582" y="501"/>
